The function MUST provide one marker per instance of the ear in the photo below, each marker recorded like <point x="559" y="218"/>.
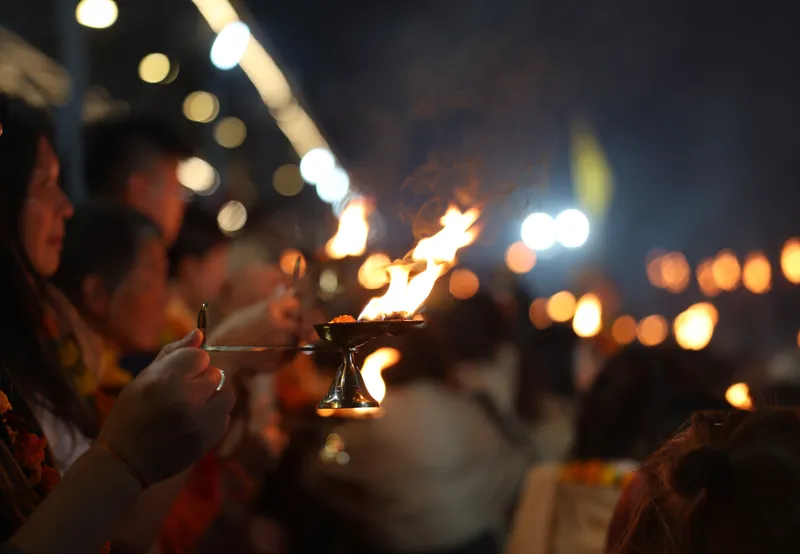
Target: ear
<point x="95" y="296"/>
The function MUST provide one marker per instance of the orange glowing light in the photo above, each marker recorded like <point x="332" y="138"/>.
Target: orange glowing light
<point x="372" y="274"/>
<point x="289" y="258"/>
<point x="653" y="265"/>
<point x="561" y="306"/>
<point x="675" y="272"/>
<point x="623" y="330"/>
<point x="709" y="309"/>
<point x="457" y="232"/>
<point x="738" y="396"/>
<point x="382" y="358"/>
<point x="726" y="271"/>
<point x="538" y="314"/>
<point x="790" y="260"/>
<point x="693" y="328"/>
<point x="652" y="330"/>
<point x="705" y="278"/>
<point x="588" y="319"/>
<point x="519" y="258"/>
<point x="757" y="273"/>
<point x="464" y="284"/>
<point x="351" y="237"/>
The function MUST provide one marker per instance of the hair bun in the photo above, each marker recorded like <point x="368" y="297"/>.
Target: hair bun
<point x="704" y="469"/>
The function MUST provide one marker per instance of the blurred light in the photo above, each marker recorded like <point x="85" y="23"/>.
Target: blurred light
<point x="572" y="228"/>
<point x="230" y="132"/>
<point x="154" y="68"/>
<point x="693" y="329"/>
<point x="197" y="175"/>
<point x="790" y="260"/>
<point x="588" y="319"/>
<point x="351" y="236"/>
<point x="709" y="309"/>
<point x="675" y="272"/>
<point x="757" y="273"/>
<point x="289" y="258"/>
<point x="230" y="45"/>
<point x="591" y="173"/>
<point x="334" y="186"/>
<point x="623" y="331"/>
<point x="374" y="364"/>
<point x="316" y="165"/>
<point x="328" y="281"/>
<point x="652" y="330"/>
<point x="653" y="267"/>
<point x="232" y="216"/>
<point x="97" y="14"/>
<point x="705" y="278"/>
<point x="798" y="338"/>
<point x="201" y="106"/>
<point x="372" y="274"/>
<point x="738" y="396"/>
<point x="458" y="230"/>
<point x="538" y="314"/>
<point x="519" y="258"/>
<point x="539" y="231"/>
<point x="561" y="306"/>
<point x="287" y="180"/>
<point x="726" y="271"/>
<point x="464" y="284"/>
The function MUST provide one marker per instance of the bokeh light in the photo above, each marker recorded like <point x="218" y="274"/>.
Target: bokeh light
<point x="538" y="231"/>
<point x="372" y="273"/>
<point x="561" y="306"/>
<point x="757" y="273"/>
<point x="230" y="45"/>
<point x="790" y="260"/>
<point x="588" y="319"/>
<point x="230" y="132"/>
<point x="652" y="330"/>
<point x="519" y="258"/>
<point x="693" y="329"/>
<point x="232" y="217"/>
<point x="623" y="330"/>
<point x="675" y="272"/>
<point x="287" y="180"/>
<point x="197" y="175"/>
<point x="738" y="396"/>
<point x="653" y="267"/>
<point x="316" y="165"/>
<point x="333" y="186"/>
<point x="328" y="281"/>
<point x="201" y="107"/>
<point x="154" y="68"/>
<point x="572" y="228"/>
<point x="464" y="284"/>
<point x="288" y="260"/>
<point x="97" y="14"/>
<point x="726" y="271"/>
<point x="705" y="278"/>
<point x="537" y="312"/>
<point x="709" y="309"/>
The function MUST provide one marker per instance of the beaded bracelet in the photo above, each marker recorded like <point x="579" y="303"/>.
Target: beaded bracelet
<point x="103" y="445"/>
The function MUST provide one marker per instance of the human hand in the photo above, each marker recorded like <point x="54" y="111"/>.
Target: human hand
<point x="171" y="414"/>
<point x="273" y="322"/>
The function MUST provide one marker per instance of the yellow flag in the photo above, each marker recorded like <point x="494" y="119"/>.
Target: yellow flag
<point x="591" y="173"/>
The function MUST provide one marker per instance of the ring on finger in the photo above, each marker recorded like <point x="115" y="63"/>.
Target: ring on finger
<point x="221" y="380"/>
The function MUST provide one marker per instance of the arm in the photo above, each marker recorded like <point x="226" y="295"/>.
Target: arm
<point x="61" y="524"/>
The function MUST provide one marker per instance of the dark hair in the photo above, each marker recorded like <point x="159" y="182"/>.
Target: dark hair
<point x="639" y="399"/>
<point x="102" y="238"/>
<point x="199" y="234"/>
<point x="730" y="483"/>
<point x="117" y="148"/>
<point x="29" y="361"/>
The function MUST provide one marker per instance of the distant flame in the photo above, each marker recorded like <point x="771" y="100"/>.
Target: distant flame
<point x="405" y="296"/>
<point x="351" y="237"/>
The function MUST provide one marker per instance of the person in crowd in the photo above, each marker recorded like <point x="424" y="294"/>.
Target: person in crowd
<point x="436" y="472"/>
<point x="638" y="400"/>
<point x="725" y="484"/>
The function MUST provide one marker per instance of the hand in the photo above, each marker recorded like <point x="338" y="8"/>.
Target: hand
<point x="272" y="322"/>
<point x="171" y="414"/>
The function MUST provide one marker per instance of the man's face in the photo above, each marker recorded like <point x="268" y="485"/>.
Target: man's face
<point x="158" y="194"/>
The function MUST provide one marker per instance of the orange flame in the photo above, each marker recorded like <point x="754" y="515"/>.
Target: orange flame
<point x="405" y="295"/>
<point x="351" y="237"/>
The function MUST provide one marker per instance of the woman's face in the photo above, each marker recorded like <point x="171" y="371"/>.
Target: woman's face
<point x="44" y="212"/>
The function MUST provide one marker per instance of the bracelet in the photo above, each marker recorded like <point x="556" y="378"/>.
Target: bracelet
<point x="103" y="445"/>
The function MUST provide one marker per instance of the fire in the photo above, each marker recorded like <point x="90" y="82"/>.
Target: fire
<point x="406" y="294"/>
<point x="351" y="237"/>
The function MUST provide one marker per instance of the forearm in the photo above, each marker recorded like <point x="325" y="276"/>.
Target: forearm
<point x="79" y="515"/>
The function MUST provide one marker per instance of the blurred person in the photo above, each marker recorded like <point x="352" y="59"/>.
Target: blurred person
<point x="725" y="484"/>
<point x="637" y="401"/>
<point x="435" y="472"/>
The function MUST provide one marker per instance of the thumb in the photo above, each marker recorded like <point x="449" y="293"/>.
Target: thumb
<point x="182" y="363"/>
<point x="193" y="340"/>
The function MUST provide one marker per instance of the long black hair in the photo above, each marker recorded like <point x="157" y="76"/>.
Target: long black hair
<point x="29" y="361"/>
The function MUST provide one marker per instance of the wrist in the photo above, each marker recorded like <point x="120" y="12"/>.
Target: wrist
<point x="114" y="461"/>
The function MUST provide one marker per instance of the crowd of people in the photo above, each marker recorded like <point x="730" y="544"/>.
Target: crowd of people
<point x="120" y="433"/>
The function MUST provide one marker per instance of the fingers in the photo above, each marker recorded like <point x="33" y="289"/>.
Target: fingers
<point x="208" y="382"/>
<point x="185" y="362"/>
<point x="214" y="415"/>
<point x="192" y="340"/>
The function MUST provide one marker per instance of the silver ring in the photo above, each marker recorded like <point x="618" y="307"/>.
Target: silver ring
<point x="221" y="380"/>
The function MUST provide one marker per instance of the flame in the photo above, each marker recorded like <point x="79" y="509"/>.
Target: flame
<point x="351" y="237"/>
<point x="406" y="294"/>
<point x="695" y="327"/>
<point x="588" y="318"/>
<point x="738" y="396"/>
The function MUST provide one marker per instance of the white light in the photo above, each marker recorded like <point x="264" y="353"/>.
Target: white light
<point x="572" y="228"/>
<point x="97" y="14"/>
<point x="334" y="186"/>
<point x="198" y="176"/>
<point x="232" y="216"/>
<point x="539" y="231"/>
<point x="230" y="45"/>
<point x="328" y="281"/>
<point x="316" y="165"/>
